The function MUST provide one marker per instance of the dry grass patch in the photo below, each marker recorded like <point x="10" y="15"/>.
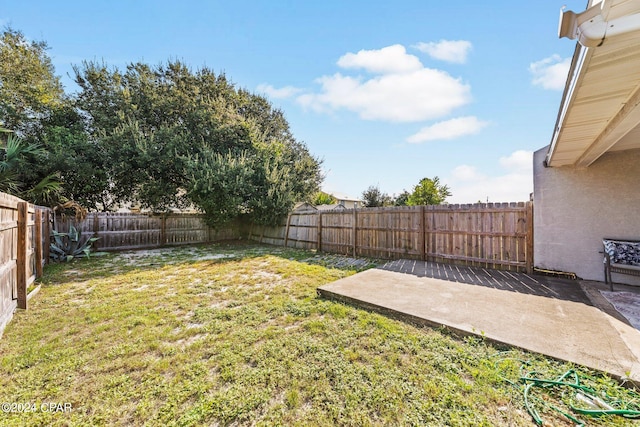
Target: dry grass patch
<point x="236" y="335"/>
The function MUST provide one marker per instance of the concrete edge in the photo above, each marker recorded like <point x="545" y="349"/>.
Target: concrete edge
<point x="398" y="315"/>
<point x="419" y="321"/>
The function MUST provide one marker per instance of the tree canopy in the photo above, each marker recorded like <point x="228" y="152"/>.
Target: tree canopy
<point x="322" y="198"/>
<point x="372" y="197"/>
<point x="28" y="85"/>
<point x="429" y="191"/>
<point x="175" y="138"/>
<point x="157" y="136"/>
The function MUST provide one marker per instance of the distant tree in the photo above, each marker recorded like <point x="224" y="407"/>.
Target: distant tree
<point x="429" y="192"/>
<point x="28" y="86"/>
<point x="372" y="197"/>
<point x="401" y="199"/>
<point x="322" y="198"/>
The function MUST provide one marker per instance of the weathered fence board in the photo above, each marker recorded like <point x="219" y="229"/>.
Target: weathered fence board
<point x="485" y="234"/>
<point x="489" y="235"/>
<point x="124" y="231"/>
<point x="24" y="248"/>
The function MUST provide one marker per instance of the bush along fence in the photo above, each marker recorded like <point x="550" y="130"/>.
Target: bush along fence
<point x="125" y="231"/>
<point x="492" y="235"/>
<point x="24" y="249"/>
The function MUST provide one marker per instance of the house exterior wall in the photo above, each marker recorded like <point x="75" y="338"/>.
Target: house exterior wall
<point x="349" y="204"/>
<point x="575" y="208"/>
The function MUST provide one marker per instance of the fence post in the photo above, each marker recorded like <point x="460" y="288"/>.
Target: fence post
<point x="21" y="255"/>
<point x="355" y="232"/>
<point x="47" y="235"/>
<point x="37" y="235"/>
<point x="286" y="230"/>
<point x="163" y="230"/>
<point x="422" y="238"/>
<point x="319" y="237"/>
<point x="427" y="234"/>
<point x="96" y="228"/>
<point x="529" y="257"/>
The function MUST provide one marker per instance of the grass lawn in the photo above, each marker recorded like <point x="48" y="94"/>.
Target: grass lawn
<point x="235" y="334"/>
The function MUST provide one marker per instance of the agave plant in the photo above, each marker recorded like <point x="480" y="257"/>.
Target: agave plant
<point x="67" y="246"/>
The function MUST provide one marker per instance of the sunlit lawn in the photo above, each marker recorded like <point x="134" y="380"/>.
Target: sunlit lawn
<point x="235" y="334"/>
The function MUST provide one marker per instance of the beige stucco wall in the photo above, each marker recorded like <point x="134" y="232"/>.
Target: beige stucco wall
<point x="574" y="208"/>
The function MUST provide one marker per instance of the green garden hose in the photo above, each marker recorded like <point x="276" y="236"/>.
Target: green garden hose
<point x="570" y="380"/>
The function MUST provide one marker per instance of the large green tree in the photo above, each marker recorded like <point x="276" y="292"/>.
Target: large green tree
<point x="174" y="137"/>
<point x="32" y="103"/>
<point x="161" y="137"/>
<point x="429" y="191"/>
<point x="28" y="86"/>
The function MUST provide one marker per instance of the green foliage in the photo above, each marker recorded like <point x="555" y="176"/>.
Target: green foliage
<point x="28" y="86"/>
<point x="401" y="199"/>
<point x="372" y="197"/>
<point x="79" y="161"/>
<point x="428" y="192"/>
<point x="67" y="246"/>
<point x="219" y="184"/>
<point x="162" y="137"/>
<point x="174" y="138"/>
<point x="322" y="198"/>
<point x="12" y="158"/>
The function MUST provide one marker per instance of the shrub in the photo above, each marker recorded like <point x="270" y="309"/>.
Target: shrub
<point x="67" y="246"/>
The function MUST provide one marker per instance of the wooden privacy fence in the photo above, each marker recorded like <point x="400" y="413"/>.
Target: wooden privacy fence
<point x="494" y="235"/>
<point x="24" y="249"/>
<point x="124" y="231"/>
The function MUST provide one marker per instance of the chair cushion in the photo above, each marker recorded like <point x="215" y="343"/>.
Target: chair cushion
<point x="621" y="252"/>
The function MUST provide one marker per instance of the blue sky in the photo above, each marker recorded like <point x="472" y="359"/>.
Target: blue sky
<point x="385" y="93"/>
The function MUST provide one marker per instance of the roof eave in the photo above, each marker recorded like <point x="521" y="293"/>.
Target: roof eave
<point x="581" y="56"/>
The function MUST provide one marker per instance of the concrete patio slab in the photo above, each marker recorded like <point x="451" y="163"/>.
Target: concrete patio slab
<point x="550" y="316"/>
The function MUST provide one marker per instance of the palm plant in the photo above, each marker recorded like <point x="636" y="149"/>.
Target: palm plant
<point x="45" y="191"/>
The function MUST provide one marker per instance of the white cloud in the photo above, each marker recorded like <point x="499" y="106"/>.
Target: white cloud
<point x="518" y="161"/>
<point x="513" y="183"/>
<point x="406" y="97"/>
<point x="283" y="92"/>
<point x="455" y="51"/>
<point x="388" y="60"/>
<point x="449" y="129"/>
<point x="466" y="173"/>
<point x="550" y="73"/>
<point x="395" y="87"/>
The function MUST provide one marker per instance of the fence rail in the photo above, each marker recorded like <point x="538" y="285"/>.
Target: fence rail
<point x="24" y="249"/>
<point x="123" y="231"/>
<point x="494" y="235"/>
